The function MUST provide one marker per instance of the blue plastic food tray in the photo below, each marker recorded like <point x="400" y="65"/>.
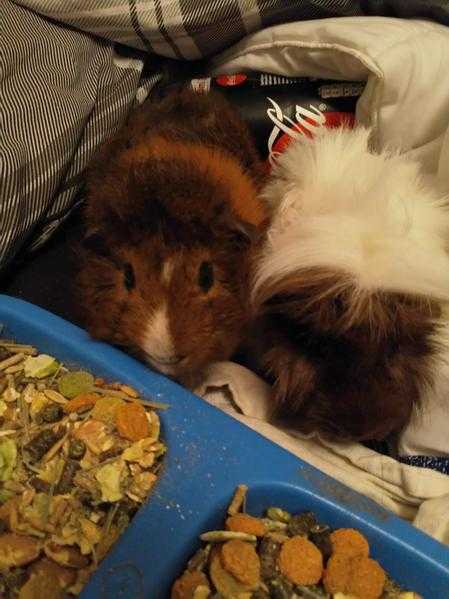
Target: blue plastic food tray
<point x="209" y="454"/>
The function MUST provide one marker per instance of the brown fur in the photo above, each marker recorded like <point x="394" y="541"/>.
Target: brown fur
<point x="348" y="366"/>
<point x="179" y="182"/>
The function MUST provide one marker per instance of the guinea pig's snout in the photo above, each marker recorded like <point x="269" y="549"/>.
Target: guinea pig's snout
<point x="165" y="364"/>
<point x="165" y="360"/>
<point x="158" y="345"/>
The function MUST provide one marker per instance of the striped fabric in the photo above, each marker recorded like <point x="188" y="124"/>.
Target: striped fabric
<point x="70" y="72"/>
<point x="188" y="29"/>
<point x="62" y="92"/>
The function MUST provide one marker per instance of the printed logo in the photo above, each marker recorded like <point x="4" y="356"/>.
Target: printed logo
<point x="307" y="121"/>
<point x="230" y="80"/>
<point x="201" y="86"/>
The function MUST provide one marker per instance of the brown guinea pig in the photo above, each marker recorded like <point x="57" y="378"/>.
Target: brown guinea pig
<point x="172" y="213"/>
<point x="353" y="287"/>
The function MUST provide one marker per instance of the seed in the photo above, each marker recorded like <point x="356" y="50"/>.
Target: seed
<point x="11" y="361"/>
<point x="77" y="449"/>
<point x="40" y="485"/>
<point x="301" y="524"/>
<point x="269" y="552"/>
<point x="129" y="391"/>
<point x="52" y="413"/>
<point x="274" y="524"/>
<point x="14" y="369"/>
<point x="219" y="536"/>
<point x="322" y="540"/>
<point x="65" y="482"/>
<point x="39" y="446"/>
<point x="280" y="588"/>
<point x="55" y="396"/>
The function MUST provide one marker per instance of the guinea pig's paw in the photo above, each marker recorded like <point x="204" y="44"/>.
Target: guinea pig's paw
<point x="192" y="381"/>
<point x="293" y="377"/>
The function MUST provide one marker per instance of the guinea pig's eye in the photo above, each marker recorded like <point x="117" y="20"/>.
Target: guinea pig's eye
<point x="128" y="276"/>
<point x="206" y="276"/>
<point x="338" y="306"/>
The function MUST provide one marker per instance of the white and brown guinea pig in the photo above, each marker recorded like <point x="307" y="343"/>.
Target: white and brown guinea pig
<point x="172" y="213"/>
<point x="353" y="281"/>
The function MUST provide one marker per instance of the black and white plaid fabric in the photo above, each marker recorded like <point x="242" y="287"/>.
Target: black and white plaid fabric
<point x="184" y="29"/>
<point x="67" y="82"/>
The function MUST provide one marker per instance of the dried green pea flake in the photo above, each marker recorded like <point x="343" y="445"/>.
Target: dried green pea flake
<point x="109" y="479"/>
<point x="52" y="413"/>
<point x="40" y="367"/>
<point x="75" y="383"/>
<point x="8" y="458"/>
<point x="77" y="449"/>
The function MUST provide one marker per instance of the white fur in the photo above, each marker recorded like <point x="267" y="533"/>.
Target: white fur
<point x="158" y="343"/>
<point x="372" y="216"/>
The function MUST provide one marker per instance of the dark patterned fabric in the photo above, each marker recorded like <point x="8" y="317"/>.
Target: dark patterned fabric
<point x="441" y="464"/>
<point x="437" y="10"/>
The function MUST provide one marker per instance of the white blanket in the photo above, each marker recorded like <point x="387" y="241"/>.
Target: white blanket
<point x="405" y="64"/>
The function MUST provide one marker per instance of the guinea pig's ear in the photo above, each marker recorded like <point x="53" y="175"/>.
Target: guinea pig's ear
<point x="249" y="231"/>
<point x="95" y="243"/>
<point x="243" y="230"/>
